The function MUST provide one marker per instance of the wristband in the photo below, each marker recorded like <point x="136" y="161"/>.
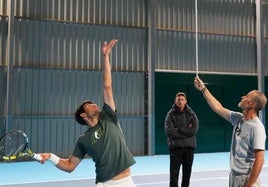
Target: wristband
<point x="203" y="90"/>
<point x="54" y="159"/>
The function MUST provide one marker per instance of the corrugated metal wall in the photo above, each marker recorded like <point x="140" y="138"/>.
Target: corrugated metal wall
<point x="3" y="62"/>
<point x="3" y="7"/>
<point x="57" y="51"/>
<point x="226" y="36"/>
<point x="57" y="63"/>
<point x="77" y="46"/>
<point x="46" y="99"/>
<point x="110" y="12"/>
<point x="44" y="110"/>
<point x="3" y="38"/>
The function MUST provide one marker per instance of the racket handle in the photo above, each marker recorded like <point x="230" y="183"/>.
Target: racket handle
<point x="37" y="157"/>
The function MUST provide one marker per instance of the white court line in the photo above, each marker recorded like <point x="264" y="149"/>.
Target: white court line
<point x="144" y="184"/>
<point x="212" y="178"/>
<point x="193" y="180"/>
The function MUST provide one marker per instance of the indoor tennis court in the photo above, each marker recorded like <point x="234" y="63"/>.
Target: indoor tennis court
<point x="51" y="60"/>
<point x="209" y="169"/>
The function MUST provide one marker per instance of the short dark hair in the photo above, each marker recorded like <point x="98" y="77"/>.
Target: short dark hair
<point x="181" y="94"/>
<point x="79" y="111"/>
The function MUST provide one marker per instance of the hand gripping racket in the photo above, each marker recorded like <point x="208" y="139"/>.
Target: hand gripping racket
<point x="15" y="144"/>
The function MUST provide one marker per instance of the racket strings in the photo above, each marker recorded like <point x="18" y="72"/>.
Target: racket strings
<point x="16" y="151"/>
<point x="12" y="144"/>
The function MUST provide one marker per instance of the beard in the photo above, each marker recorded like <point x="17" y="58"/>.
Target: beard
<point x="244" y="106"/>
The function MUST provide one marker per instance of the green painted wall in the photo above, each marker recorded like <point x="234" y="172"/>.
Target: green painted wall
<point x="214" y="133"/>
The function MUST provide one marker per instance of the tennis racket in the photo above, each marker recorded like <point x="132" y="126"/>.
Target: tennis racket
<point x="15" y="144"/>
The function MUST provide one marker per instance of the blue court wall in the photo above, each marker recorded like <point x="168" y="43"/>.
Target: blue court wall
<point x="214" y="134"/>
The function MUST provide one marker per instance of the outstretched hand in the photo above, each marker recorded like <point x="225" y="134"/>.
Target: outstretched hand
<point x="106" y="48"/>
<point x="199" y="84"/>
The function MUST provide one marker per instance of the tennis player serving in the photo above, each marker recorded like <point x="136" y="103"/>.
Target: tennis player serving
<point x="103" y="141"/>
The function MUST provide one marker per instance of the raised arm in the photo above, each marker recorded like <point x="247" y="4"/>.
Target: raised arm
<point x="214" y="104"/>
<point x="107" y="75"/>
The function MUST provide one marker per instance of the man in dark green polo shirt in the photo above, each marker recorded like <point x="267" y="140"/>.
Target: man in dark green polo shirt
<point x="104" y="140"/>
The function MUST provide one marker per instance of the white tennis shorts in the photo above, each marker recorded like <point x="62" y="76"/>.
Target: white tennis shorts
<point x="125" y="182"/>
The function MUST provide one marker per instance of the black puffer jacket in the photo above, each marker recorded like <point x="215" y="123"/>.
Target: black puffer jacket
<point x="181" y="127"/>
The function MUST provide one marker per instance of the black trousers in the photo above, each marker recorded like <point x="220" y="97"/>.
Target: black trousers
<point x="181" y="157"/>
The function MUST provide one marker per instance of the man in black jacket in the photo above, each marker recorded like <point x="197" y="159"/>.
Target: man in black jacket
<point x="181" y="125"/>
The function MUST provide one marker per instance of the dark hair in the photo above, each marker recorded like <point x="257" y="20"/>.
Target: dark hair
<point x="79" y="111"/>
<point x="181" y="94"/>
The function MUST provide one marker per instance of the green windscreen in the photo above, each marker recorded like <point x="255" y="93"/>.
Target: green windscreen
<point x="214" y="134"/>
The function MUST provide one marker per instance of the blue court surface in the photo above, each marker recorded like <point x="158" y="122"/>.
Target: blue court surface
<point x="209" y="169"/>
